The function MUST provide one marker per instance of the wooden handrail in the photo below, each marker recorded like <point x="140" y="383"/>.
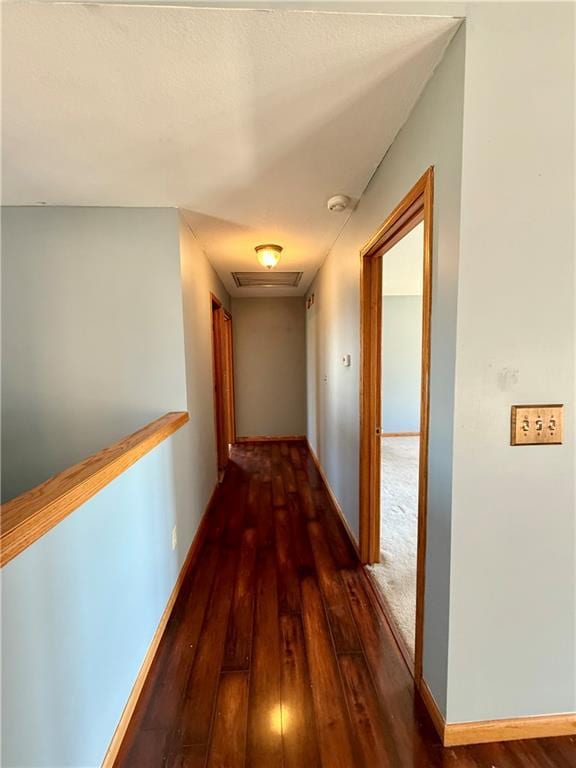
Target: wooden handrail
<point x="26" y="518"/>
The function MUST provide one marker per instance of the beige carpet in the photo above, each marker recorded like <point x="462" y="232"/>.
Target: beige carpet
<point x="396" y="573"/>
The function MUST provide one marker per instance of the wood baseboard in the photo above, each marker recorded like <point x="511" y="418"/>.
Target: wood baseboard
<point x="487" y="731"/>
<point x="333" y="498"/>
<point x="122" y="727"/>
<point x="399" y="434"/>
<point x="271" y="438"/>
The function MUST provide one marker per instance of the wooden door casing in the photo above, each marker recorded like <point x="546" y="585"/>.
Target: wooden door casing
<point x="416" y="207"/>
<point x="223" y="380"/>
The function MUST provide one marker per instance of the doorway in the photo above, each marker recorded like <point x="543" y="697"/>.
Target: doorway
<point x="397" y="264"/>
<point x="223" y="372"/>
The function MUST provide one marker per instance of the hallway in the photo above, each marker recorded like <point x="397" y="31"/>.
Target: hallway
<point x="276" y="654"/>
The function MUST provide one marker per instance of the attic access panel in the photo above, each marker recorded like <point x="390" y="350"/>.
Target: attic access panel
<point x="267" y="279"/>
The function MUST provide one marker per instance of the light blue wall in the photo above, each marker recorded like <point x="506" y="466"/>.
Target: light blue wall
<point x="401" y="363"/>
<point x="432" y="135"/>
<point x="80" y="607"/>
<point x="92" y="333"/>
<point x="270" y="365"/>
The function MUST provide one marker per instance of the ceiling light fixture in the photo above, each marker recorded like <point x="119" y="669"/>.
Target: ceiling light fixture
<point x="268" y="255"/>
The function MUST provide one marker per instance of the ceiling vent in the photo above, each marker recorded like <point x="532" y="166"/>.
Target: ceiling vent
<point x="267" y="279"/>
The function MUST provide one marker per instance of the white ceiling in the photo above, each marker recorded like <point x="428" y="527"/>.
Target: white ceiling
<point x="403" y="265"/>
<point x="248" y="120"/>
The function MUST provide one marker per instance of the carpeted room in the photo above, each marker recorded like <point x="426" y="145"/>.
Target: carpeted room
<point x="395" y="574"/>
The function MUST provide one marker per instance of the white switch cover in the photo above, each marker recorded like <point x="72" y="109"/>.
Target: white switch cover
<point x="174" y="537"/>
<point x="346" y="361"/>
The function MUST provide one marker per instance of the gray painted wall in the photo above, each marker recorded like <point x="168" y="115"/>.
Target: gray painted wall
<point x="432" y="135"/>
<point x="401" y="363"/>
<point x="92" y="333"/>
<point x="270" y="366"/>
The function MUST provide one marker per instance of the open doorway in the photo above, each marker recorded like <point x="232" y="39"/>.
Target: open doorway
<point x="396" y="304"/>
<point x="395" y="573"/>
<point x="223" y="371"/>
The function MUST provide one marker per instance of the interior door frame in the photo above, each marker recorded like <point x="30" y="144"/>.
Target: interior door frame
<point x="416" y="207"/>
<point x="223" y="380"/>
<point x="228" y="353"/>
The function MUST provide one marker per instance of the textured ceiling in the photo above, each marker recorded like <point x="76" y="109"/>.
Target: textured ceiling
<point x="248" y="120"/>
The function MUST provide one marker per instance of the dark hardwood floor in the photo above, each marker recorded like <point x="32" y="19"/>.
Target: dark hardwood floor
<point x="276" y="655"/>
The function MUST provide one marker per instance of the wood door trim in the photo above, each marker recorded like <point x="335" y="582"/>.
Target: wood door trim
<point x="407" y="214"/>
<point x="230" y="393"/>
<point x="415" y="207"/>
<point x="29" y="516"/>
<point x="370" y="374"/>
<point x="215" y="305"/>
<point x="223" y="379"/>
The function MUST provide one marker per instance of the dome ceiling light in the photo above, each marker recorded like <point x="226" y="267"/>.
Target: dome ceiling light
<point x="268" y="254"/>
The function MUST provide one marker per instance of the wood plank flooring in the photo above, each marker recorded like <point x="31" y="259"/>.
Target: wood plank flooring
<point x="276" y="654"/>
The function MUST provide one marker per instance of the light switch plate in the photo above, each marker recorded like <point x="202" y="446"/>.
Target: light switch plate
<point x="536" y="424"/>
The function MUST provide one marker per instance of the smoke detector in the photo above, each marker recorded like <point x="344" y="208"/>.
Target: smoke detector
<point x="338" y="203"/>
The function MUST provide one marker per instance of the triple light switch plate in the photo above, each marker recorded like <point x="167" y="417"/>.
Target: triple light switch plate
<point x="536" y="424"/>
